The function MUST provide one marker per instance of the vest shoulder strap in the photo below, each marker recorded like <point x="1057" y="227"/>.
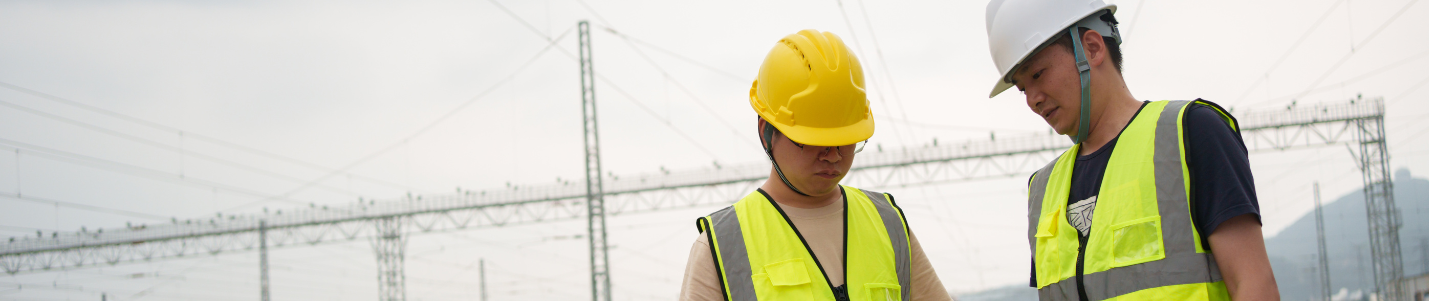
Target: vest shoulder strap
<point x="897" y="226"/>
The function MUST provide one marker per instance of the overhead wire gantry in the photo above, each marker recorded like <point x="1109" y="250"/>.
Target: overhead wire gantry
<point x="1358" y="124"/>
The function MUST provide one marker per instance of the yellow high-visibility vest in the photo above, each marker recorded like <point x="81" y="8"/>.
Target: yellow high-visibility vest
<point x="760" y="256"/>
<point x="1142" y="244"/>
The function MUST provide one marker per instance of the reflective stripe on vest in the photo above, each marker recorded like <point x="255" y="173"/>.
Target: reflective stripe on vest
<point x="1166" y="267"/>
<point x="870" y="273"/>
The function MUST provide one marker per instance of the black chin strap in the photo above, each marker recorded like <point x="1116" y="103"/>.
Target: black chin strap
<point x="1084" y="70"/>
<point x="766" y="139"/>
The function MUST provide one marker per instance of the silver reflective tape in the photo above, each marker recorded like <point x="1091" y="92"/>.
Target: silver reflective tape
<point x="1064" y="290"/>
<point x="1037" y="191"/>
<point x="1185" y="268"/>
<point x="893" y="223"/>
<point x="732" y="254"/>
<point x="1171" y="197"/>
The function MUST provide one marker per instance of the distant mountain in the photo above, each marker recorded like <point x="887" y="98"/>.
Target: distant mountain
<point x="1293" y="251"/>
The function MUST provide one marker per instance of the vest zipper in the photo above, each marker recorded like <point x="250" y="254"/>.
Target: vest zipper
<point x="1081" y="261"/>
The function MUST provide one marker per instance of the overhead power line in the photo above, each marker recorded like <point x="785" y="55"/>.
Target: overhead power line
<point x="163" y="146"/>
<point x="1353" y="51"/>
<point x="897" y="131"/>
<point x="1361" y="45"/>
<point x="420" y="131"/>
<point x="48" y="201"/>
<point x="883" y="62"/>
<point x="652" y="113"/>
<point x="666" y="121"/>
<point x="189" y="134"/>
<point x="1292" y="49"/>
<point x="1366" y="75"/>
<point x="727" y="74"/>
<point x="739" y="136"/>
<point x="132" y="169"/>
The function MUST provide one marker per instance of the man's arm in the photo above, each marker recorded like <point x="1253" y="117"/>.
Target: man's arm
<point x="701" y="282"/>
<point x="1239" y="249"/>
<point x="925" y="282"/>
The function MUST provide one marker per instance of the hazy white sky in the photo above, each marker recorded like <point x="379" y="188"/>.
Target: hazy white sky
<point x="332" y="83"/>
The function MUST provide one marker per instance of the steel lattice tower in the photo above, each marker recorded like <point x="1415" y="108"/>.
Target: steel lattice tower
<point x="390" y="246"/>
<point x="595" y="191"/>
<point x="1379" y="205"/>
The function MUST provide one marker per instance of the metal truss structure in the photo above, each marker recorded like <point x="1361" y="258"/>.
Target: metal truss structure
<point x="595" y="190"/>
<point x="388" y="223"/>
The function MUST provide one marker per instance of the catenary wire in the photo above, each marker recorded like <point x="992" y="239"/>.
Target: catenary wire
<point x="188" y="134"/>
<point x="163" y="146"/>
<point x="423" y="129"/>
<point x="897" y="131"/>
<point x="131" y="169"/>
<point x="1366" y="75"/>
<point x="1359" y="46"/>
<point x="1292" y="49"/>
<point x="686" y="90"/>
<point x="883" y="63"/>
<point x="612" y="84"/>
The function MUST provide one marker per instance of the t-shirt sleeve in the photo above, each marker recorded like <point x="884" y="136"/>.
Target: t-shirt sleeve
<point x="925" y="282"/>
<point x="1222" y="185"/>
<point x="701" y="280"/>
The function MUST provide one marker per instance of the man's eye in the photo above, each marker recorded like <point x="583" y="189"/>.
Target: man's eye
<point x="1037" y="75"/>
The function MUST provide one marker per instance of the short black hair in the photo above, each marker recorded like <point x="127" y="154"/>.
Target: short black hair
<point x="1112" y="47"/>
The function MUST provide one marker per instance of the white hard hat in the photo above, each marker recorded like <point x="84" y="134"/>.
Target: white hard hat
<point x="1018" y="28"/>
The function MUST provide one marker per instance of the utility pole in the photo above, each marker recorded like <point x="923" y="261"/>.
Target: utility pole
<point x="263" y="258"/>
<point x="1320" y="236"/>
<point x="481" y="268"/>
<point x="595" y="192"/>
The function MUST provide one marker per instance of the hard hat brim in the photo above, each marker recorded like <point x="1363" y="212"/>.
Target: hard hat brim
<point x="839" y="136"/>
<point x="999" y="87"/>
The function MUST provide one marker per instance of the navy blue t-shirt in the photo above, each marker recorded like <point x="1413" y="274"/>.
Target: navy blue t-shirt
<point x="1221" y="183"/>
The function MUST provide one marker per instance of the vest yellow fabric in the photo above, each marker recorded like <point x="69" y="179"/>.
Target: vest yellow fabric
<point x="1142" y="244"/>
<point x="760" y="256"/>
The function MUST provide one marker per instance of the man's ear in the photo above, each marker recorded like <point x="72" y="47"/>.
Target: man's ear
<point x="1095" y="47"/>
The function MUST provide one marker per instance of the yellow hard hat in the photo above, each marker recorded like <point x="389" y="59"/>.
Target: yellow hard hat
<point x="810" y="87"/>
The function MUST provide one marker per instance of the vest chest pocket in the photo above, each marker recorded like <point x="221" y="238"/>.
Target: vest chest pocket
<point x="884" y="291"/>
<point x="1137" y="241"/>
<point x="784" y="280"/>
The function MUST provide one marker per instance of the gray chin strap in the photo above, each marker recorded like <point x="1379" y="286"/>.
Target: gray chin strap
<point x="766" y="139"/>
<point x="1084" y="69"/>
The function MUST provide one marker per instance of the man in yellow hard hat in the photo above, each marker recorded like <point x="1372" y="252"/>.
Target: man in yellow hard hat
<point x="802" y="236"/>
<point x="1155" y="201"/>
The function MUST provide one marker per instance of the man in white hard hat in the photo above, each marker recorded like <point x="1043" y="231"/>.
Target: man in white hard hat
<point x="802" y="236"/>
<point x="1155" y="201"/>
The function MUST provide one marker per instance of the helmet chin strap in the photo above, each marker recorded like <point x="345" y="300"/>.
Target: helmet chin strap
<point x="766" y="138"/>
<point x="1084" y="69"/>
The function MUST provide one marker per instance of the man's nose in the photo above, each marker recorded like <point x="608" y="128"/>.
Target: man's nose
<point x="831" y="154"/>
<point x="1034" y="100"/>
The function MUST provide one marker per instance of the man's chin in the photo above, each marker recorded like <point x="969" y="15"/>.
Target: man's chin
<point x="824" y="188"/>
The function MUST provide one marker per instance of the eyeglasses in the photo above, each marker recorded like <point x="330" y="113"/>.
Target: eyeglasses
<point x="857" y="147"/>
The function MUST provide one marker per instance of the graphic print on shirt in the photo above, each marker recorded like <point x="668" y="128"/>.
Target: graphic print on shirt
<point x="1079" y="214"/>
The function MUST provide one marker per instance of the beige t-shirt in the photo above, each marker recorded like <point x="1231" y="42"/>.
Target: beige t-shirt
<point x="823" y="229"/>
